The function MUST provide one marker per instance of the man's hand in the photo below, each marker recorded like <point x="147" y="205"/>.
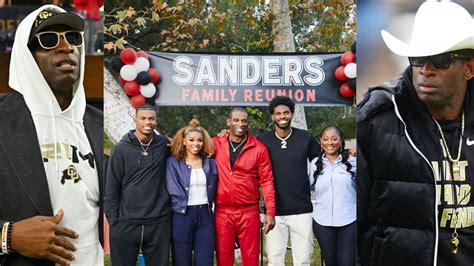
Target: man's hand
<point x="222" y="133"/>
<point x="41" y="237"/>
<point x="269" y="223"/>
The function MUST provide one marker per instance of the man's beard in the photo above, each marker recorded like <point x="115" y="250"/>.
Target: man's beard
<point x="288" y="125"/>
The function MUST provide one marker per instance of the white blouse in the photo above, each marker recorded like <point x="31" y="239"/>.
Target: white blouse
<point x="197" y="188"/>
<point x="335" y="191"/>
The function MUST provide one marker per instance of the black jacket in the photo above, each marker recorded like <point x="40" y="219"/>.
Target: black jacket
<point x="135" y="190"/>
<point x="24" y="189"/>
<point x="397" y="209"/>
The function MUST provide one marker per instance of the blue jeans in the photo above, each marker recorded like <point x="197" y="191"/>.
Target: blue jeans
<point x="338" y="244"/>
<point x="193" y="231"/>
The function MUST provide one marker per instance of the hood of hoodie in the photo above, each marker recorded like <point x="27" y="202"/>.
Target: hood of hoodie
<point x="27" y="79"/>
<point x="400" y="96"/>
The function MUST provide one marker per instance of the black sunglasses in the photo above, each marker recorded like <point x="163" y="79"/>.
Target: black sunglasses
<point x="50" y="39"/>
<point x="440" y="61"/>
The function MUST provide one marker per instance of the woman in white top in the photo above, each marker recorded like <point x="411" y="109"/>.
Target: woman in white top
<point x="334" y="209"/>
<point x="191" y="180"/>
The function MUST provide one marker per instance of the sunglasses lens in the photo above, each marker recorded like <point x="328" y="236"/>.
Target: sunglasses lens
<point x="418" y="61"/>
<point x="48" y="40"/>
<point x="438" y="61"/>
<point x="74" y="38"/>
<point x="441" y="60"/>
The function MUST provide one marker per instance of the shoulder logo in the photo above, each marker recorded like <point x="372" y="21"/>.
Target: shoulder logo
<point x="469" y="142"/>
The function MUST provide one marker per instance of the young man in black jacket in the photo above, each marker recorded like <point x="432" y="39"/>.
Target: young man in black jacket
<point x="136" y="201"/>
<point x="415" y="153"/>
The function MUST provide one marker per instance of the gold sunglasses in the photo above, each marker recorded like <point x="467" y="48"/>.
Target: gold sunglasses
<point x="50" y="39"/>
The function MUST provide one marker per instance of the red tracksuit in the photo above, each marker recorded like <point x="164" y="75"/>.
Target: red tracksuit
<point x="237" y="199"/>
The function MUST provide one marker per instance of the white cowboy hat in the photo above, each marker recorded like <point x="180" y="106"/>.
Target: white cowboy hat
<point x="439" y="27"/>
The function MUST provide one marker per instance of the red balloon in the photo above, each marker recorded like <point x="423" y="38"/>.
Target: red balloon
<point x="128" y="56"/>
<point x="137" y="100"/>
<point x="142" y="54"/>
<point x="132" y="88"/>
<point x="155" y="76"/>
<point x="346" y="91"/>
<point x="348" y="57"/>
<point x="340" y="74"/>
<point x="122" y="81"/>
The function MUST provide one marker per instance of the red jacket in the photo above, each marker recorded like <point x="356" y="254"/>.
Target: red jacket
<point x="239" y="186"/>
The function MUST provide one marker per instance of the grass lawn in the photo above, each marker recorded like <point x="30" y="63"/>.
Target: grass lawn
<point x="315" y="259"/>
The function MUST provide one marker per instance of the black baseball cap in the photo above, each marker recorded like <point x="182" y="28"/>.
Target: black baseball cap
<point x="49" y="17"/>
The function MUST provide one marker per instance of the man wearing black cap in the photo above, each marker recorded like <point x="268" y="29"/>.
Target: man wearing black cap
<point x="50" y="148"/>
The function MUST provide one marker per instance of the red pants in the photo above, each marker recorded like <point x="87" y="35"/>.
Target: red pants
<point x="243" y="222"/>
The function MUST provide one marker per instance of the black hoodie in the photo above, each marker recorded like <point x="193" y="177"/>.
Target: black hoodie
<point x="399" y="156"/>
<point x="135" y="190"/>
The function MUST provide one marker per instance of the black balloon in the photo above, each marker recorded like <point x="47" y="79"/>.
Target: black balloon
<point x="151" y="101"/>
<point x="352" y="83"/>
<point x="143" y="78"/>
<point x="354" y="48"/>
<point x="117" y="64"/>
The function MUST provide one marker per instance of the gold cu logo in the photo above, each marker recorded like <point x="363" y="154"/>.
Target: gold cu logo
<point x="45" y="14"/>
<point x="72" y="173"/>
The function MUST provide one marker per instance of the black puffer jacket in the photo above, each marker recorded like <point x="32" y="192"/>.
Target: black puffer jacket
<point x="397" y="210"/>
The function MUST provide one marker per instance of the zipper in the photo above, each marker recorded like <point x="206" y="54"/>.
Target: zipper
<point x="431" y="167"/>
<point x="332" y="195"/>
<point x="238" y="156"/>
<point x="236" y="159"/>
<point x="141" y="239"/>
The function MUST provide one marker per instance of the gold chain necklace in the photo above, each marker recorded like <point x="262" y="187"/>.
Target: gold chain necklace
<point x="454" y="240"/>
<point x="234" y="149"/>
<point x="456" y="167"/>
<point x="145" y="146"/>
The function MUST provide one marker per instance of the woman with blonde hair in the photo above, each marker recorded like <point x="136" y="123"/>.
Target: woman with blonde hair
<point x="191" y="180"/>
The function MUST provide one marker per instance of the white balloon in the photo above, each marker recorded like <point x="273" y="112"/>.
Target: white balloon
<point x="148" y="90"/>
<point x="141" y="64"/>
<point x="350" y="70"/>
<point x="128" y="73"/>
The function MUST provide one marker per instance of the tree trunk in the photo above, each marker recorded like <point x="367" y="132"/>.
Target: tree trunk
<point x="284" y="42"/>
<point x="119" y="112"/>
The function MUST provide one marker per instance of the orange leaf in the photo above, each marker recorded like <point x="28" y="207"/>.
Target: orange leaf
<point x="130" y="12"/>
<point x="140" y="21"/>
<point x="109" y="46"/>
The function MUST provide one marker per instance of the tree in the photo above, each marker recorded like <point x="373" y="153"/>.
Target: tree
<point x="226" y="27"/>
<point x="283" y="42"/>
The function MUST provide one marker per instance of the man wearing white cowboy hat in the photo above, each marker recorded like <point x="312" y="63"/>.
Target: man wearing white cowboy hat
<point x="416" y="148"/>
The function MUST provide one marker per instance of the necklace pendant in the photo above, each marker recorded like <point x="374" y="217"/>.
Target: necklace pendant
<point x="456" y="171"/>
<point x="454" y="243"/>
<point x="283" y="144"/>
<point x="145" y="153"/>
<point x="234" y="149"/>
